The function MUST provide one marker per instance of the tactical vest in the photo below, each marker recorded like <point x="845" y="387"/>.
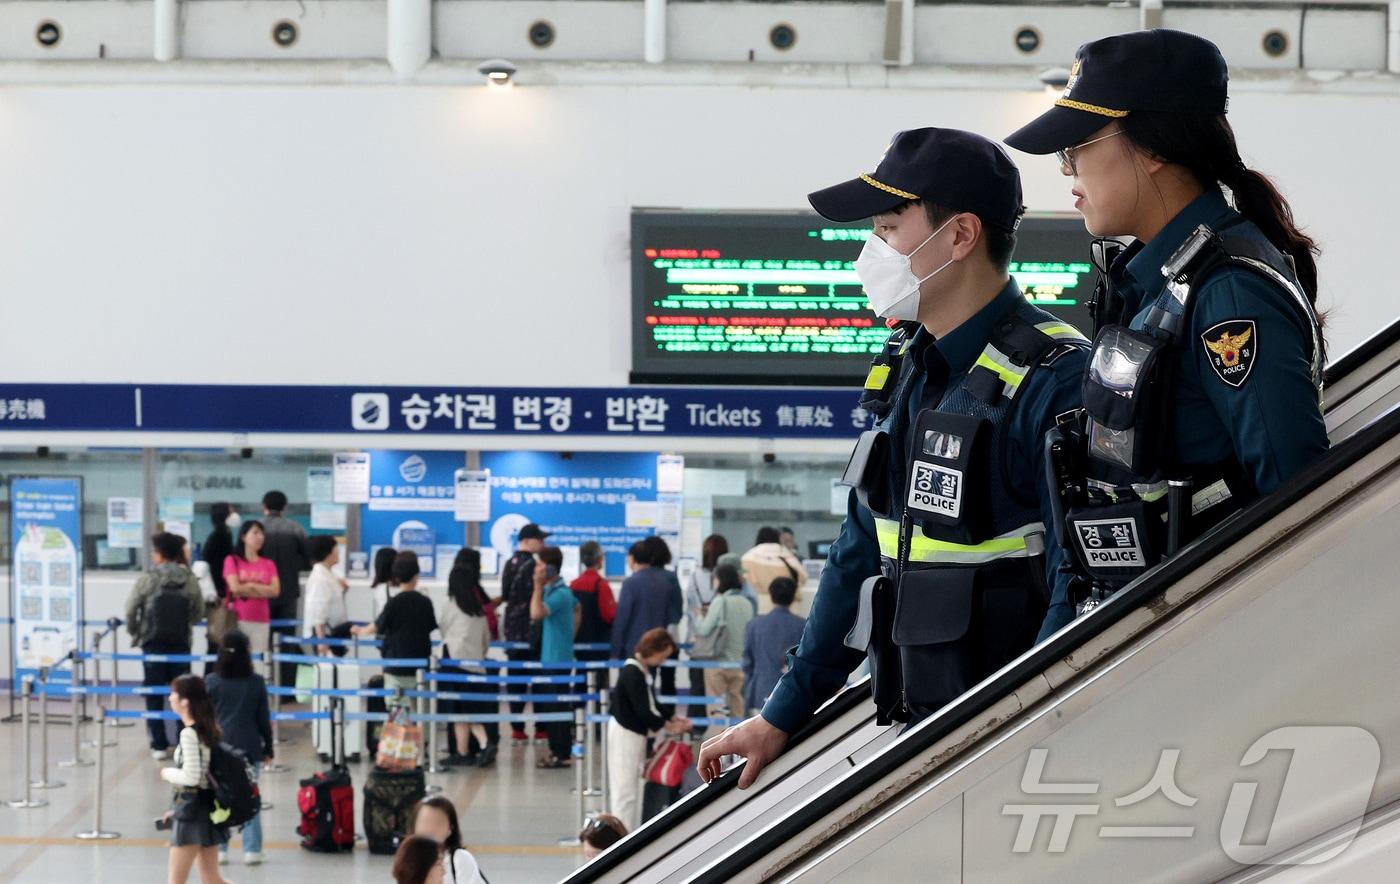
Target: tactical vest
<point x="962" y="588"/>
<point x="1128" y="501"/>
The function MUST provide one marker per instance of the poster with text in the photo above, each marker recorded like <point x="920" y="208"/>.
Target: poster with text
<point x="579" y="497"/>
<point x="46" y="600"/>
<point x="412" y="502"/>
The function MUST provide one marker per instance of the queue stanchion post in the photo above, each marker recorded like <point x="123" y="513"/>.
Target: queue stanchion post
<point x="99" y="733"/>
<point x="44" y="782"/>
<point x="275" y="766"/>
<point x="27" y="699"/>
<point x="272" y="667"/>
<point x="77" y="760"/>
<point x="97" y="833"/>
<point x="430" y="744"/>
<point x="576" y="750"/>
<point x="603" y="705"/>
<point x="589" y="755"/>
<point x="117" y="698"/>
<point x="74" y="714"/>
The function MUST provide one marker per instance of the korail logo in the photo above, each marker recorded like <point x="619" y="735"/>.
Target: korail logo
<point x="413" y="468"/>
<point x="369" y="411"/>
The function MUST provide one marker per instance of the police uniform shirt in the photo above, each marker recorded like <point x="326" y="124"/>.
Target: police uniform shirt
<point x="1243" y="388"/>
<point x="822" y="662"/>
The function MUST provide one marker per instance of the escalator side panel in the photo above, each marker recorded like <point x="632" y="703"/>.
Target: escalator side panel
<point x="1304" y="636"/>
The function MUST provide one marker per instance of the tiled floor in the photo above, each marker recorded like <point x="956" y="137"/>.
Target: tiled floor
<point x="513" y="817"/>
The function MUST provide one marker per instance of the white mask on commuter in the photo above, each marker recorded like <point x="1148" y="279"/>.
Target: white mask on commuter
<point x="888" y="277"/>
<point x="234" y="521"/>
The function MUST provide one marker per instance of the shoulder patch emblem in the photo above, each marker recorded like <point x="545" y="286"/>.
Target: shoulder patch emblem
<point x="1231" y="348"/>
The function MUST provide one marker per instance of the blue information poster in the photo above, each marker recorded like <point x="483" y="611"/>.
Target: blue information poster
<point x="46" y="586"/>
<point x="579" y="497"/>
<point x="412" y="505"/>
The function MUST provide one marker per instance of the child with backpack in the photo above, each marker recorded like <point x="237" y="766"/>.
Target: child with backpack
<point x="240" y="702"/>
<point x="161" y="612"/>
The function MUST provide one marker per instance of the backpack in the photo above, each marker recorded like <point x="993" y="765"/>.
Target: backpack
<point x="166" y="619"/>
<point x="707" y="647"/>
<point x="236" y="796"/>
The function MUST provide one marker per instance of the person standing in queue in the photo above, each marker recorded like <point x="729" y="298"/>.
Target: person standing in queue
<point x="1204" y="387"/>
<point x="517" y="585"/>
<point x="940" y="571"/>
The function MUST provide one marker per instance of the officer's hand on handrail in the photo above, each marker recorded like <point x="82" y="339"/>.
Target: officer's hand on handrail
<point x="755" y="740"/>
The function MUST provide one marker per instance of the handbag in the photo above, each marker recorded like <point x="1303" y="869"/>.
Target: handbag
<point x="222" y="620"/>
<point x="668" y="763"/>
<point x="707" y="647"/>
<point x="400" y="742"/>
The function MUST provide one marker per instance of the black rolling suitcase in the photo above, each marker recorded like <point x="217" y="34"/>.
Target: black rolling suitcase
<point x="389" y="796"/>
<point x="327" y="800"/>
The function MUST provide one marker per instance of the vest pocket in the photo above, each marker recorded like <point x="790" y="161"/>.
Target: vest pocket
<point x="956" y="626"/>
<point x="933" y="633"/>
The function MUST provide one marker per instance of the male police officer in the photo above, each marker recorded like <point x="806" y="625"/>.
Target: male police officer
<point x="940" y="570"/>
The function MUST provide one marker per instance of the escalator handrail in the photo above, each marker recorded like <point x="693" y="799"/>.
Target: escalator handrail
<point x="1362" y="353"/>
<point x="857" y="694"/>
<point x="1058" y="646"/>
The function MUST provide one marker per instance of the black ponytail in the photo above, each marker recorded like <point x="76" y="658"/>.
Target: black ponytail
<point x="1205" y="145"/>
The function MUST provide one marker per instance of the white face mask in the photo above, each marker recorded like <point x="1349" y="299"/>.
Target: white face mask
<point x="888" y="277"/>
<point x="234" y="521"/>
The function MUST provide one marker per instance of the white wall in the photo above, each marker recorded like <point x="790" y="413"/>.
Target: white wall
<point x="465" y="235"/>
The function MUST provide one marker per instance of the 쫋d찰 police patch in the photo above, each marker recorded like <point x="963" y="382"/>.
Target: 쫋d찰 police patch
<point x="1231" y="348"/>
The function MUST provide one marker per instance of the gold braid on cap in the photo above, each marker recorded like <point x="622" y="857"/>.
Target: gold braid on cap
<point x="887" y="189"/>
<point x="1091" y="108"/>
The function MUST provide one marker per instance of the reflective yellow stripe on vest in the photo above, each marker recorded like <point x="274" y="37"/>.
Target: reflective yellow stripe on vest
<point x="1061" y="332"/>
<point x="1024" y="542"/>
<point x="1001" y="365"/>
<point x="879" y="375"/>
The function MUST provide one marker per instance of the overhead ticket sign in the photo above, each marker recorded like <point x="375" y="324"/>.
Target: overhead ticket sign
<point x="798" y="412"/>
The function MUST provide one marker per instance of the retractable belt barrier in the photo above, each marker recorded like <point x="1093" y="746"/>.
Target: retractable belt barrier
<point x="588" y="707"/>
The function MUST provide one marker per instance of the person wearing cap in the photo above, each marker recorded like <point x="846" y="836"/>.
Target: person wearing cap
<point x="517" y="586"/>
<point x="1204" y="387"/>
<point x="940" y="570"/>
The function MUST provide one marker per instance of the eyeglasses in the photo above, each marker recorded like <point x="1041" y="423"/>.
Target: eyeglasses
<point x="1066" y="156"/>
<point x="595" y="825"/>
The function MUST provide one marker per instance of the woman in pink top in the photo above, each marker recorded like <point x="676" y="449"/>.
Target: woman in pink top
<point x="252" y="580"/>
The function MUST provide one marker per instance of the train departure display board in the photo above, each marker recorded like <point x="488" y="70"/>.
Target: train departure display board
<point x="773" y="297"/>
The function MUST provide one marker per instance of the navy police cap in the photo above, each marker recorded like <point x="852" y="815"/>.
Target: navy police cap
<point x="1155" y="70"/>
<point x="952" y="169"/>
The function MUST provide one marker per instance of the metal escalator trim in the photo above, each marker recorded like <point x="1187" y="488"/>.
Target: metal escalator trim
<point x="1344" y="365"/>
<point x="1056" y="648"/>
<point x="855" y="696"/>
<point x="1287" y="861"/>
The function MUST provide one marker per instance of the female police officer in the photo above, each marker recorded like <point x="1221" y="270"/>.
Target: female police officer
<point x="1202" y="392"/>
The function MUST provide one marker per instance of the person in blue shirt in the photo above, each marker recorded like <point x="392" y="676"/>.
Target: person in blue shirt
<point x="1204" y="390"/>
<point x="767" y="640"/>
<point x="555" y="605"/>
<point x="650" y="598"/>
<point x="940" y="571"/>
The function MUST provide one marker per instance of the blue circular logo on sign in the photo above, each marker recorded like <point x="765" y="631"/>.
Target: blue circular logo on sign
<point x="413" y="469"/>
